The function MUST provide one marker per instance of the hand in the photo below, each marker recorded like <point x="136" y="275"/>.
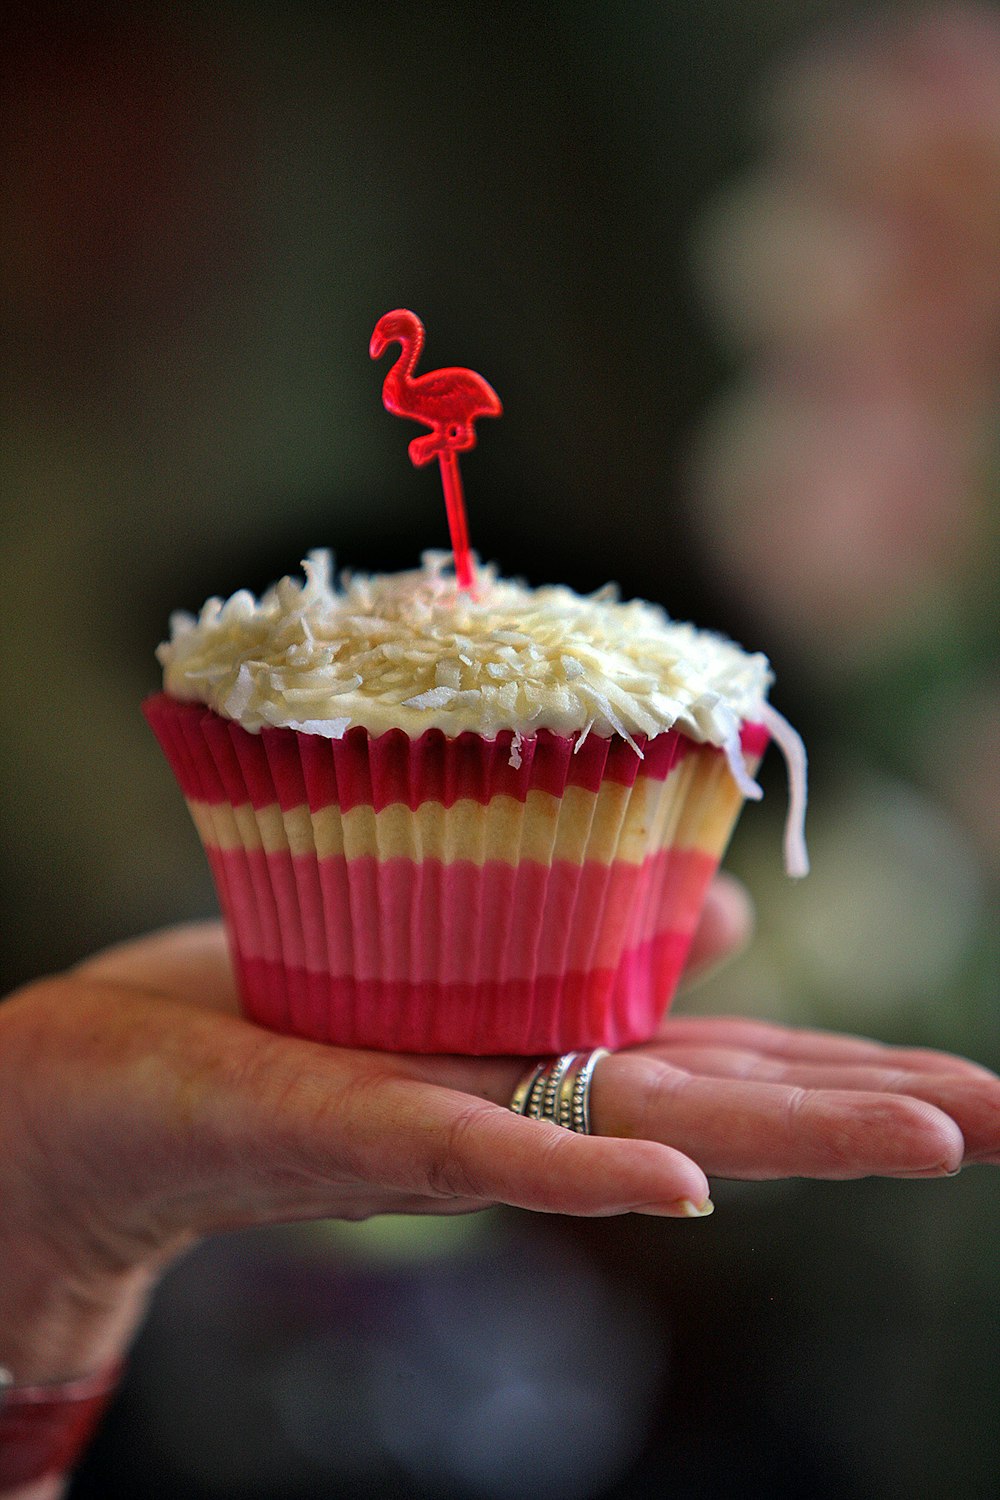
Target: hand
<point x="144" y="1111"/>
<point x="185" y="1118"/>
<point x="138" y="1111"/>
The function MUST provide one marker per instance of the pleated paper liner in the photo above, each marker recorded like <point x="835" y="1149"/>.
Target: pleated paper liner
<point x="427" y="895"/>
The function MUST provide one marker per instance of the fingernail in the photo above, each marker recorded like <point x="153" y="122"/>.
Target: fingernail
<point x="689" y="1210"/>
<point x="681" y="1208"/>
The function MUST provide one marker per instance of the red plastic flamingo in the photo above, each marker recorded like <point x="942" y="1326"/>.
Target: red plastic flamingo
<point x="446" y="401"/>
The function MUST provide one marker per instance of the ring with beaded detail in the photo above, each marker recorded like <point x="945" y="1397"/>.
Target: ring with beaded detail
<point x="559" y="1090"/>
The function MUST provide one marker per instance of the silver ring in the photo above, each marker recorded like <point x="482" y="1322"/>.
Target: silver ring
<point x="525" y="1090"/>
<point x="559" y="1090"/>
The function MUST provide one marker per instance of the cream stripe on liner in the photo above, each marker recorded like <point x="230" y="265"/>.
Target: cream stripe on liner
<point x="621" y="823"/>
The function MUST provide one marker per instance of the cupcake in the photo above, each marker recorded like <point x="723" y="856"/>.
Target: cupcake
<point x="446" y="822"/>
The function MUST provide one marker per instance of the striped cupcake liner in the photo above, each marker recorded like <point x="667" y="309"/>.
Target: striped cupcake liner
<point x="427" y="895"/>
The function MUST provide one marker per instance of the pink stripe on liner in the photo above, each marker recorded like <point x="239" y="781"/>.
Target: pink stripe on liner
<point x="222" y="762"/>
<point x="429" y="922"/>
<point x="521" y="1017"/>
<point x="278" y="765"/>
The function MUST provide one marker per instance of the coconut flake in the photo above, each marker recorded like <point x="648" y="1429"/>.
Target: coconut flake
<point x="438" y="697"/>
<point x="238" y="699"/>
<point x="789" y="742"/>
<point x="583" y="737"/>
<point x="612" y="718"/>
<point x="333" y="689"/>
<point x="448" y="673"/>
<point x="330" y="729"/>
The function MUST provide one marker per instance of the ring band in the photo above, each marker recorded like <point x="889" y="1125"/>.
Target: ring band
<point x="547" y="1100"/>
<point x="559" y="1090"/>
<point x="580" y="1101"/>
<point x="525" y="1090"/>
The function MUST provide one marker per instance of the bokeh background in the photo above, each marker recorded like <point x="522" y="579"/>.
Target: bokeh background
<point x="733" y="267"/>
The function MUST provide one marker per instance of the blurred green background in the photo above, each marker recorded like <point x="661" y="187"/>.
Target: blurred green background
<point x="733" y="270"/>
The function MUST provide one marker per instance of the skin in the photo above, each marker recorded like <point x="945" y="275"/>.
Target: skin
<point x="139" y="1112"/>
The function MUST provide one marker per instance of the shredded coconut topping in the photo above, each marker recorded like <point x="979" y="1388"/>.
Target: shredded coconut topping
<point x="412" y="651"/>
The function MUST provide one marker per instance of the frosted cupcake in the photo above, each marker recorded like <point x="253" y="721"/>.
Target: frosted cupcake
<point x="446" y="823"/>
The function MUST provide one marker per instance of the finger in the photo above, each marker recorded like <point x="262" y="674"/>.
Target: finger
<point x="190" y="963"/>
<point x="770" y="1130"/>
<point x="223" y="1123"/>
<point x="973" y="1102"/>
<point x="425" y="1137"/>
<point x="448" y="1143"/>
<point x="725" y="926"/>
<point x="807" y="1045"/>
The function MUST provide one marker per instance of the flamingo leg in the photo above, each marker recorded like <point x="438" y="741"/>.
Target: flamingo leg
<point x="454" y="499"/>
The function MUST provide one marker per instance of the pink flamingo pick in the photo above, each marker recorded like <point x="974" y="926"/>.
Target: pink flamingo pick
<point x="446" y="401"/>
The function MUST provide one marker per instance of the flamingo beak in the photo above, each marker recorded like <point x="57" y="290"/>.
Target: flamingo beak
<point x="378" y="344"/>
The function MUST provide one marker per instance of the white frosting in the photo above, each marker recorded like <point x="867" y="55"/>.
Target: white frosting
<point x="411" y="651"/>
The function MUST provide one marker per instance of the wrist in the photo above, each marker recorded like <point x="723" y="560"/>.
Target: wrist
<point x="58" y="1323"/>
<point x="63" y="1337"/>
<point x="73" y="1281"/>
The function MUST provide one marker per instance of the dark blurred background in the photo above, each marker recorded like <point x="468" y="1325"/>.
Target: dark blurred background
<point x="732" y="268"/>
